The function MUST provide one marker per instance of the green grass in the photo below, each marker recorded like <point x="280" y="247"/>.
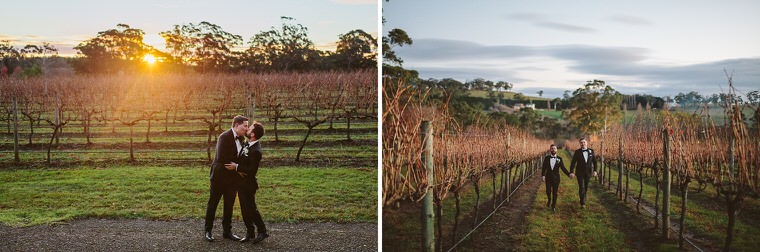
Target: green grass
<point x="41" y="196"/>
<point x="551" y="113"/>
<point x="706" y="215"/>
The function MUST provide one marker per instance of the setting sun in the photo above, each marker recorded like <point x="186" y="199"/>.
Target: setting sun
<point x="149" y="58"/>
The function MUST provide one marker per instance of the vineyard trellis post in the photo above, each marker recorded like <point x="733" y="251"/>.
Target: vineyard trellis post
<point x="15" y="130"/>
<point x="601" y="171"/>
<point x="619" y="189"/>
<point x="428" y="230"/>
<point x="666" y="185"/>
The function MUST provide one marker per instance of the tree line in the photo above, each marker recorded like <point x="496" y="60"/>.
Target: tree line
<point x="201" y="47"/>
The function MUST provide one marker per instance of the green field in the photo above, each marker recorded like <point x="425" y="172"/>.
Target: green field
<point x="42" y="196"/>
<point x="507" y="95"/>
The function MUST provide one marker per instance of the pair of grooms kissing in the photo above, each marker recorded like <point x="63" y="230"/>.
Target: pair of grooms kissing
<point x="233" y="172"/>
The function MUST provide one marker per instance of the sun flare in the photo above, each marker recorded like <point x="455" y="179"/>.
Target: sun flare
<point x="149" y="58"/>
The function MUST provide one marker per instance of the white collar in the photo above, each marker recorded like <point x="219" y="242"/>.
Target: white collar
<point x="252" y="143"/>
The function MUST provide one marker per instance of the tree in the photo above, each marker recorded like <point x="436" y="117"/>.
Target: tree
<point x="356" y="49"/>
<point x="593" y="105"/>
<point x="528" y="119"/>
<point x="205" y="46"/>
<point x="519" y="97"/>
<point x="392" y="63"/>
<point x="285" y="49"/>
<point x="112" y="50"/>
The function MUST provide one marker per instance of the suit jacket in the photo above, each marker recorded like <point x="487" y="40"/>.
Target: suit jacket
<point x="249" y="163"/>
<point x="552" y="175"/>
<point x="585" y="168"/>
<point x="226" y="152"/>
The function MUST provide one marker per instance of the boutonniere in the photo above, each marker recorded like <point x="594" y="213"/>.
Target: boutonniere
<point x="245" y="151"/>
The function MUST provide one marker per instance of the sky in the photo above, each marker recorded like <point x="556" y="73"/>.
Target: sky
<point x="65" y="24"/>
<point x="646" y="47"/>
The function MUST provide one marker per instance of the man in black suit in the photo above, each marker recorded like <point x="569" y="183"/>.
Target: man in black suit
<point x="586" y="160"/>
<point x="224" y="182"/>
<point x="550" y="175"/>
<point x="249" y="160"/>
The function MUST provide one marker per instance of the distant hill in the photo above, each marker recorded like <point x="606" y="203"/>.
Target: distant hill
<point x="507" y="95"/>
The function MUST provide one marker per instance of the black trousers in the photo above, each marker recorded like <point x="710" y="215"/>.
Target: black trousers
<point x="582" y="188"/>
<point x="217" y="191"/>
<point x="551" y="192"/>
<point x="250" y="211"/>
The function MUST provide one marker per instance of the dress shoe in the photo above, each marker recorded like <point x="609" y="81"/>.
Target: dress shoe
<point x="260" y="238"/>
<point x="208" y="236"/>
<point x="231" y="236"/>
<point x="248" y="238"/>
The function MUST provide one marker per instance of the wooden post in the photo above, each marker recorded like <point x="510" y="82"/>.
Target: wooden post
<point x="428" y="216"/>
<point x="666" y="186"/>
<point x="620" y="167"/>
<point x="509" y="184"/>
<point x="15" y="130"/>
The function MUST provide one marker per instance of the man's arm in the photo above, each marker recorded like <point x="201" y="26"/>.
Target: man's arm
<point x="572" y="163"/>
<point x="253" y="165"/>
<point x="543" y="167"/>
<point x="562" y="165"/>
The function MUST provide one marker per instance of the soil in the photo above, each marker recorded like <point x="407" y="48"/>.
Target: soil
<point x="184" y="235"/>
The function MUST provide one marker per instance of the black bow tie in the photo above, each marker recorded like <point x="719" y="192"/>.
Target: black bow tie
<point x="586" y="150"/>
<point x="240" y="138"/>
<point x="554" y="157"/>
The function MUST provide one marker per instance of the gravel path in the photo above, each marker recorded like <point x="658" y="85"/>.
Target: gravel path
<point x="183" y="235"/>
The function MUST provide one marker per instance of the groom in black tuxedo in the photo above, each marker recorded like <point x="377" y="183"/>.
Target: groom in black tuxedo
<point x="586" y="160"/>
<point x="550" y="175"/>
<point x="224" y="182"/>
<point x="248" y="166"/>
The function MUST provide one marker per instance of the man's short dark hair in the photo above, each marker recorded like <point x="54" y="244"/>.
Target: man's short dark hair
<point x="581" y="139"/>
<point x="258" y="129"/>
<point x="550" y="146"/>
<point x="238" y="120"/>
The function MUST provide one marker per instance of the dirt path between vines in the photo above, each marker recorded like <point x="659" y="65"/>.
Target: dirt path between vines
<point x="183" y="235"/>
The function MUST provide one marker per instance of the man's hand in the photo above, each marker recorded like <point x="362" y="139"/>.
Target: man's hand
<point x="242" y="174"/>
<point x="231" y="166"/>
<point x="572" y="175"/>
<point x="594" y="174"/>
<point x="543" y="178"/>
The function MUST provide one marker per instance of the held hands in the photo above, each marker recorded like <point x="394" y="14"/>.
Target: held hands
<point x="572" y="175"/>
<point x="594" y="174"/>
<point x="543" y="178"/>
<point x="231" y="166"/>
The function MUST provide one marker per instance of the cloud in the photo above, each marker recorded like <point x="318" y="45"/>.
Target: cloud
<point x="543" y="22"/>
<point x="10" y="38"/>
<point x="529" y="16"/>
<point x="623" y="67"/>
<point x="630" y="20"/>
<point x="564" y="27"/>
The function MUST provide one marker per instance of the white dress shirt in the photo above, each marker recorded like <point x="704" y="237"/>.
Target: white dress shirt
<point x="552" y="161"/>
<point x="585" y="154"/>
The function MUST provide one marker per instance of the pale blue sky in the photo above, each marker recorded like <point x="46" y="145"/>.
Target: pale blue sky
<point x="67" y="23"/>
<point x="654" y="47"/>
